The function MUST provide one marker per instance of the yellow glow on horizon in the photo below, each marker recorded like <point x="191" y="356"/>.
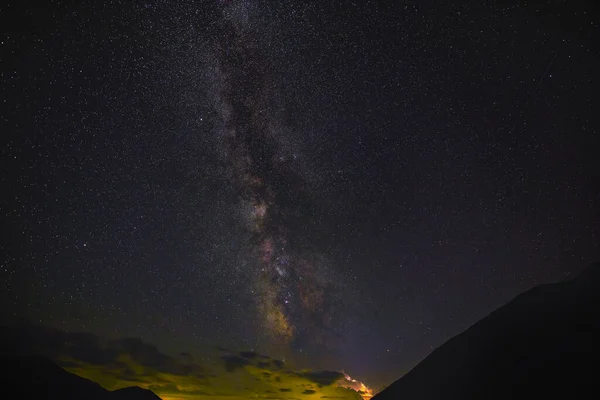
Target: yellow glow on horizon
<point x="365" y="391"/>
<point x="250" y="381"/>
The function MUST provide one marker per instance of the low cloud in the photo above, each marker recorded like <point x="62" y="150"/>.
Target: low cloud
<point x="234" y="362"/>
<point x="118" y="363"/>
<point x="322" y="377"/>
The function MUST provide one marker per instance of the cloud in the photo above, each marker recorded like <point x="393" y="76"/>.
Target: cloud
<point x="118" y="363"/>
<point x="252" y="355"/>
<point x="72" y="348"/>
<point x="324" y="378"/>
<point x="234" y="362"/>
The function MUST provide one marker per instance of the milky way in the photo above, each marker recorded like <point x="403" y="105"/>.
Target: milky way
<point x="345" y="185"/>
<point x="293" y="294"/>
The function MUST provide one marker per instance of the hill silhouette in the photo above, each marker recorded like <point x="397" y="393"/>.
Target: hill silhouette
<point x="545" y="342"/>
<point x="34" y="377"/>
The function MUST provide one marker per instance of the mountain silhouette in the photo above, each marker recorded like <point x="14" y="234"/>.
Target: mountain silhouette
<point x="545" y="342"/>
<point x="133" y="393"/>
<point x="36" y="378"/>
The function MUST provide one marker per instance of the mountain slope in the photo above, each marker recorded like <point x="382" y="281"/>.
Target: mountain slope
<point x="133" y="393"/>
<point x="542" y="343"/>
<point x="35" y="378"/>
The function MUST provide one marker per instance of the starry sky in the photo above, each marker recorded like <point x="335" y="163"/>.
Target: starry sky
<point x="337" y="186"/>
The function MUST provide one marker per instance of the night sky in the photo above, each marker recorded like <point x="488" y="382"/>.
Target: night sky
<point x="341" y="186"/>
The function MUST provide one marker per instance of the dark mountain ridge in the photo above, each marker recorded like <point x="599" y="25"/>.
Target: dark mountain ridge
<point x="542" y="343"/>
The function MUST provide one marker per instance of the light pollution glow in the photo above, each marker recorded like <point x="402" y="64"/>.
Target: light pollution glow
<point x="211" y="372"/>
<point x="247" y="382"/>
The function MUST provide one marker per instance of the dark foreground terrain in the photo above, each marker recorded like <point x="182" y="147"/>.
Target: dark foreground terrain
<point x="544" y="343"/>
<point x="32" y="377"/>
